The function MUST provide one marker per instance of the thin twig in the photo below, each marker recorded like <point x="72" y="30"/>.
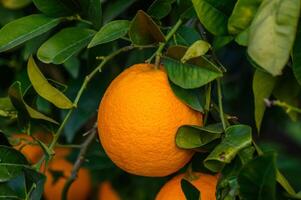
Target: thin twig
<point x="78" y="163"/>
<point x="220" y="103"/>
<point x="288" y="108"/>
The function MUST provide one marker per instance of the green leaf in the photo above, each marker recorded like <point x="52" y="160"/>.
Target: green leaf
<point x="191" y="76"/>
<point x="246" y="154"/>
<point x="110" y="32"/>
<point x="243" y="38"/>
<point x="54" y="8"/>
<point x="189" y="137"/>
<point x="6" y="192"/>
<point x="190" y="192"/>
<point x="284" y="183"/>
<point x="24" y="29"/>
<point x="296" y="55"/>
<point x="272" y="34"/>
<point x="64" y="44"/>
<point x="186" y="36"/>
<point x="24" y="110"/>
<point x="214" y="20"/>
<point x="144" y="31"/>
<point x="263" y="85"/>
<point x="191" y="97"/>
<point x="15" y="4"/>
<point x="11" y="163"/>
<point x="6" y="108"/>
<point x="44" y="88"/>
<point x="236" y="138"/>
<point x="257" y="179"/>
<point x="160" y="8"/>
<point x="221" y="41"/>
<point x="242" y="15"/>
<point x="92" y="10"/>
<point x="198" y="48"/>
<point x="115" y="8"/>
<point x="34" y="182"/>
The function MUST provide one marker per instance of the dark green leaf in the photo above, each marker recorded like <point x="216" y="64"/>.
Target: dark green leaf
<point x="197" y="49"/>
<point x="189" y="137"/>
<point x="296" y="55"/>
<point x="263" y="85"/>
<point x="25" y="28"/>
<point x="64" y="44"/>
<point x="186" y="36"/>
<point x="242" y="15"/>
<point x="11" y="162"/>
<point x="24" y="110"/>
<point x="110" y="32"/>
<point x="44" y="88"/>
<point x="34" y="183"/>
<point x="191" y="192"/>
<point x="272" y="34"/>
<point x="190" y="97"/>
<point x="31" y="47"/>
<point x="72" y="65"/>
<point x="55" y="8"/>
<point x="257" y="179"/>
<point x="115" y="8"/>
<point x="160" y="8"/>
<point x="144" y="31"/>
<point x="211" y="17"/>
<point x="246" y="154"/>
<point x="221" y="41"/>
<point x="243" y="38"/>
<point x="191" y="76"/>
<point x="92" y="10"/>
<point x="236" y="138"/>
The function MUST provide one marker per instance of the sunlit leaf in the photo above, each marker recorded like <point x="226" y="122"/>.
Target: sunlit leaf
<point x="44" y="88"/>
<point x="110" y="32"/>
<point x="198" y="48"/>
<point x="263" y="85"/>
<point x="64" y="44"/>
<point x="296" y="55"/>
<point x="15" y="4"/>
<point x="189" y="137"/>
<point x="25" y="28"/>
<point x="144" y="31"/>
<point x="236" y="138"/>
<point x="272" y="34"/>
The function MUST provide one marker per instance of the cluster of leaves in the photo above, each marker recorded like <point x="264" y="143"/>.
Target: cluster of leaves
<point x="75" y="33"/>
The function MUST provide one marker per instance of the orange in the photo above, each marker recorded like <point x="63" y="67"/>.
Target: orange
<point x="107" y="192"/>
<point x="80" y="188"/>
<point x="205" y="183"/>
<point x="138" y="119"/>
<point x="29" y="148"/>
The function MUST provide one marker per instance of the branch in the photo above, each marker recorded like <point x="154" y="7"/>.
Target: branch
<point x="79" y="161"/>
<point x="282" y="104"/>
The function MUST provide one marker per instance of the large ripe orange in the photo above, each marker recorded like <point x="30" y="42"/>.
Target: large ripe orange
<point x="205" y="183"/>
<point x="138" y="119"/>
<point x="107" y="192"/>
<point x="80" y="188"/>
<point x="31" y="150"/>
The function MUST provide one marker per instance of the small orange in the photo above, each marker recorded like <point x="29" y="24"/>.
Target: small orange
<point x="80" y="188"/>
<point x="31" y="149"/>
<point x="107" y="192"/>
<point x="138" y="119"/>
<point x="172" y="190"/>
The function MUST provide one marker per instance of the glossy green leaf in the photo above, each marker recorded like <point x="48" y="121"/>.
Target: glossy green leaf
<point x="15" y="4"/>
<point x="189" y="137"/>
<point x="237" y="137"/>
<point x="214" y="20"/>
<point x="197" y="49"/>
<point x="221" y="41"/>
<point x="64" y="44"/>
<point x="115" y="8"/>
<point x="24" y="110"/>
<point x="25" y="28"/>
<point x="110" y="32"/>
<point x="257" y="179"/>
<point x="191" y="97"/>
<point x="263" y="85"/>
<point x="243" y="38"/>
<point x="191" y="76"/>
<point x="296" y="55"/>
<point x="186" y="36"/>
<point x="11" y="163"/>
<point x="160" y="8"/>
<point x="272" y="34"/>
<point x="242" y="15"/>
<point x="92" y="10"/>
<point x="44" y="88"/>
<point x="54" y="8"/>
<point x="190" y="191"/>
<point x="144" y="31"/>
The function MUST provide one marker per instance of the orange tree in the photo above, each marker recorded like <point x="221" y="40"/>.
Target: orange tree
<point x="233" y="61"/>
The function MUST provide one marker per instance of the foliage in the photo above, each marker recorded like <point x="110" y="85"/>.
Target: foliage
<point x="231" y="60"/>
